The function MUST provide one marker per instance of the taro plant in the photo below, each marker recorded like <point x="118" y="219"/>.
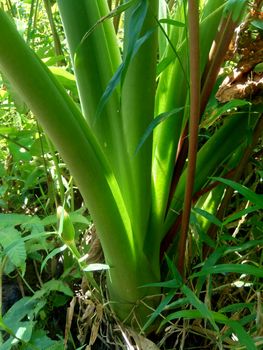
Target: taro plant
<point x="132" y="146"/>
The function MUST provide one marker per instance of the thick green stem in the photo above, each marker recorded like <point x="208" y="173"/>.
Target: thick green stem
<point x="67" y="128"/>
<point x="95" y="58"/>
<point x="137" y="106"/>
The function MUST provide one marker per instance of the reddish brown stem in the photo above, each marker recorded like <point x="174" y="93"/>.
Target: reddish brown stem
<point x="217" y="55"/>
<point x="193" y="22"/>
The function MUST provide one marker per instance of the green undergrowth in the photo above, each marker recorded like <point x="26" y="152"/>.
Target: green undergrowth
<point x="218" y="306"/>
